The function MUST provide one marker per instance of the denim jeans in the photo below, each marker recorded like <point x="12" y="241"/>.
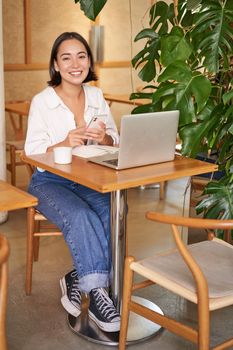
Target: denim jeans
<point x="83" y="216"/>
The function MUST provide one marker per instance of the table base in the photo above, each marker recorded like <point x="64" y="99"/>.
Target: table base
<point x="139" y="328"/>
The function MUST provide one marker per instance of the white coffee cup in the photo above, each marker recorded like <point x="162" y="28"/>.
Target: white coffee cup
<point x="62" y="155"/>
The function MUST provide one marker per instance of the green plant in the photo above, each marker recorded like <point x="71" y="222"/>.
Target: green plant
<point x="187" y="62"/>
<point x="189" y="57"/>
<point x="91" y="8"/>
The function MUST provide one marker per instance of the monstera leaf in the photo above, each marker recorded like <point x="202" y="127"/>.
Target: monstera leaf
<point x="219" y="202"/>
<point x="213" y="32"/>
<point x="190" y="92"/>
<point x="91" y="8"/>
<point x="148" y="55"/>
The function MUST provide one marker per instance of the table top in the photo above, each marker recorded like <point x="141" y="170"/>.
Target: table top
<point x="12" y="198"/>
<point x="104" y="179"/>
<point x="125" y="99"/>
<point x="21" y="108"/>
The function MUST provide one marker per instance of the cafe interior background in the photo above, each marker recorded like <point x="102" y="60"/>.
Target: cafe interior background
<point x="30" y="28"/>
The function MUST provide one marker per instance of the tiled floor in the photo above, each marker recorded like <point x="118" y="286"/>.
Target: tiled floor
<point x="39" y="322"/>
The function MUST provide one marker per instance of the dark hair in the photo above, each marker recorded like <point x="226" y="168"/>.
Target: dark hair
<point x="55" y="77"/>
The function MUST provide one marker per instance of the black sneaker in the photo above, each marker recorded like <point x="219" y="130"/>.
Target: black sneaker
<point x="71" y="294"/>
<point x="102" y="311"/>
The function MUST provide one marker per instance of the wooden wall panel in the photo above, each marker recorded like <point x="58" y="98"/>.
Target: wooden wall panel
<point x="13" y="31"/>
<point x="118" y="27"/>
<point x="53" y="18"/>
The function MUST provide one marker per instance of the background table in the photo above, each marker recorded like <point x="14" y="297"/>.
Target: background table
<point x="124" y="98"/>
<point x="17" y="111"/>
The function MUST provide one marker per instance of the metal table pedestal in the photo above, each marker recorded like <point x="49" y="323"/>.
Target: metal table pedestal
<point x="139" y="328"/>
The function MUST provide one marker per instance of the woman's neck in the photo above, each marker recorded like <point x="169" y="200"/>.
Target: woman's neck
<point x="69" y="91"/>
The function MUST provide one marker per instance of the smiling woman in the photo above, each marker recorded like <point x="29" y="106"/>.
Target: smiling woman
<point x="59" y="116"/>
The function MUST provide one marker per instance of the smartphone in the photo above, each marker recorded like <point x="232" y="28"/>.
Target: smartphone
<point x="94" y="122"/>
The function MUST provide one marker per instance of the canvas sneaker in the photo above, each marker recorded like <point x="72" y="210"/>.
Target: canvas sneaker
<point x="71" y="295"/>
<point x="102" y="311"/>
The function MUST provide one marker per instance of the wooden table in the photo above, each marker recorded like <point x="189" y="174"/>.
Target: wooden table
<point x="17" y="111"/>
<point x="104" y="180"/>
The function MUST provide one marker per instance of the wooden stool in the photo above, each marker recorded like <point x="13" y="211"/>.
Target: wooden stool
<point x="12" y="198"/>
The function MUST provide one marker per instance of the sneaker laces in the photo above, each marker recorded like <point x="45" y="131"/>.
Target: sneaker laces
<point x="75" y="292"/>
<point x="105" y="304"/>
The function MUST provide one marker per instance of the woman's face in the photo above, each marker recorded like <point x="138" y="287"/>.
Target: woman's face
<point x="72" y="62"/>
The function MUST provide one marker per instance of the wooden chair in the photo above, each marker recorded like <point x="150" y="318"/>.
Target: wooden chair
<point x="17" y="110"/>
<point x="38" y="226"/>
<point x="36" y="229"/>
<point x="200" y="273"/>
<point x="15" y="150"/>
<point x="4" y="254"/>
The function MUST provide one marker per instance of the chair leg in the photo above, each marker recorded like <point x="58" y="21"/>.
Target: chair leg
<point x="127" y="290"/>
<point x="203" y="323"/>
<point x="3" y="302"/>
<point x="161" y="189"/>
<point x="36" y="241"/>
<point x="29" y="261"/>
<point x="36" y="246"/>
<point x="13" y="164"/>
<point x="227" y="236"/>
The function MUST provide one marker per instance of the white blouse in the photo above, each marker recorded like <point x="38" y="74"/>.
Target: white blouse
<point x="50" y="120"/>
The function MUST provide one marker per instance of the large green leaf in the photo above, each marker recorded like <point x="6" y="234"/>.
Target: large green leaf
<point x="177" y="71"/>
<point x="193" y="136"/>
<point x="219" y="200"/>
<point x="190" y="87"/>
<point x="213" y="32"/>
<point x="91" y="8"/>
<point x="146" y="33"/>
<point x="174" y="46"/>
<point x="159" y="17"/>
<point x="148" y="55"/>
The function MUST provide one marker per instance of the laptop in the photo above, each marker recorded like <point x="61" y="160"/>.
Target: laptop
<point x="146" y="138"/>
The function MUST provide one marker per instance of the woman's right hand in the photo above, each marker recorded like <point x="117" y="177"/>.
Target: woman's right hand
<point x="76" y="137"/>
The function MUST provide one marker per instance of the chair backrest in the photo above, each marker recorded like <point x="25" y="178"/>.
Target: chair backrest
<point x="4" y="253"/>
<point x="208" y="224"/>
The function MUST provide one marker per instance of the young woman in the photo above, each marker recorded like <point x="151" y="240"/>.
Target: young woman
<point x="59" y="116"/>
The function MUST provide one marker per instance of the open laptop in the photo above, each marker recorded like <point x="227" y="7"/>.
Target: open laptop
<point x="145" y="138"/>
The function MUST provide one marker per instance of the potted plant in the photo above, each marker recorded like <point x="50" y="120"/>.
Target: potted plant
<point x="187" y="62"/>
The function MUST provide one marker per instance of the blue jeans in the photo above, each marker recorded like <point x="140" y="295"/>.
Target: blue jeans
<point x="83" y="216"/>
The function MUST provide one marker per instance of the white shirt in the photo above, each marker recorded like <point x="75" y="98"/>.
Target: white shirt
<point x="50" y="120"/>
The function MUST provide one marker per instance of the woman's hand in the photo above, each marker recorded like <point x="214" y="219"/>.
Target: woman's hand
<point x="97" y="134"/>
<point x="75" y="137"/>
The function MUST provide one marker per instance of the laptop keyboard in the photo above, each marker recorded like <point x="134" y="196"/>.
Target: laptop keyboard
<point x="111" y="161"/>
